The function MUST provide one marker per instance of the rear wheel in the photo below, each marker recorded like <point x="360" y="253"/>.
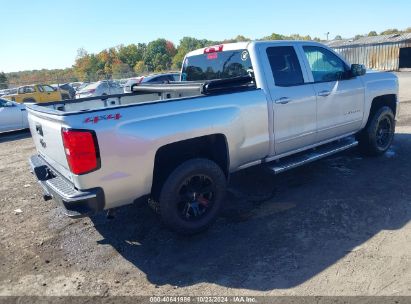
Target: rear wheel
<point x="191" y="197"/>
<point x="65" y="96"/>
<point x="378" y="134"/>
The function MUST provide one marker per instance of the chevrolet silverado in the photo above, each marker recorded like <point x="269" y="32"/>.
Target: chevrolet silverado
<point x="279" y="104"/>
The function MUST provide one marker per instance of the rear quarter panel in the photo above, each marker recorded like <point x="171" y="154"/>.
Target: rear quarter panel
<point x="128" y="145"/>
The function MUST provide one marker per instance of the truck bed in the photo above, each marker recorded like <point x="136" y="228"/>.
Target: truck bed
<point x="146" y="94"/>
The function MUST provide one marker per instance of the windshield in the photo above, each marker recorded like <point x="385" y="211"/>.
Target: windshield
<point x="219" y="65"/>
<point x="91" y="86"/>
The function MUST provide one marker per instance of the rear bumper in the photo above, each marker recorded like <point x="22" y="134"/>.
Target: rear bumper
<point x="76" y="203"/>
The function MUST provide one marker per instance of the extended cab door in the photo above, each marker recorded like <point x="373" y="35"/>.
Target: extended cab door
<point x="293" y="99"/>
<point x="340" y="97"/>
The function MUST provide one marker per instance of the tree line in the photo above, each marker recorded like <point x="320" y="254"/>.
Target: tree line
<point x="125" y="61"/>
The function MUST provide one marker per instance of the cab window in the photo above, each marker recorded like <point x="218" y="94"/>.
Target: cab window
<point x="24" y="90"/>
<point x="47" y="88"/>
<point x="285" y="66"/>
<point x="325" y="66"/>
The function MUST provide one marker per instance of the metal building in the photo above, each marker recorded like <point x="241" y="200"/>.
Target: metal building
<point x="386" y="52"/>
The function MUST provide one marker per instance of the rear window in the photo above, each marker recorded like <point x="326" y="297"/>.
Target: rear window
<point x="219" y="65"/>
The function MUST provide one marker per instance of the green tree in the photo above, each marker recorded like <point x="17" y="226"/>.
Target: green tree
<point x="275" y="36"/>
<point x="239" y="38"/>
<point x="372" y="34"/>
<point x="390" y="32"/>
<point x="88" y="67"/>
<point x="132" y="53"/>
<point x="3" y="81"/>
<point x="121" y="70"/>
<point x="298" y="37"/>
<point x="188" y="44"/>
<point x="358" y="37"/>
<point x="338" y="37"/>
<point x="157" y="56"/>
<point x="140" y="68"/>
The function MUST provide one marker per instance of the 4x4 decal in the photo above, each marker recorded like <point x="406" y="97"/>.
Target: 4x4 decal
<point x="96" y="119"/>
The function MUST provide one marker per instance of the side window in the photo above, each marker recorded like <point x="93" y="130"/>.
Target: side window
<point x="158" y="79"/>
<point x="325" y="65"/>
<point x="47" y="88"/>
<point x="29" y="89"/>
<point x="40" y="88"/>
<point x="21" y="90"/>
<point x="285" y="66"/>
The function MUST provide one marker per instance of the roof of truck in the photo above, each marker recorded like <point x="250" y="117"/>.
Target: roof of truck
<point x="244" y="45"/>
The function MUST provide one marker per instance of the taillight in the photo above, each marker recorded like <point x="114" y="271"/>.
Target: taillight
<point x="91" y="91"/>
<point x="214" y="49"/>
<point x="81" y="150"/>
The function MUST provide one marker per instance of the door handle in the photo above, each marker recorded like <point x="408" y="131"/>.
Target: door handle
<point x="283" y="100"/>
<point x="324" y="93"/>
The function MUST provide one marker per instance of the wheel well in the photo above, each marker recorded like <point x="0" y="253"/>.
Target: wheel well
<point x="29" y="100"/>
<point x="384" y="100"/>
<point x="213" y="147"/>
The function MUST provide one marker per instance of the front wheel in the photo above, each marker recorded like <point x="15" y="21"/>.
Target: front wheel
<point x="191" y="197"/>
<point x="378" y="135"/>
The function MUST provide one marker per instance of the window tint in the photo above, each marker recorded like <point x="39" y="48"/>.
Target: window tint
<point x="159" y="79"/>
<point x="23" y="90"/>
<point x="285" y="66"/>
<point x="47" y="88"/>
<point x="219" y="65"/>
<point x="325" y="65"/>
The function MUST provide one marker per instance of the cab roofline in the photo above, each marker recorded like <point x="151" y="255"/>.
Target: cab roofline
<point x="245" y="45"/>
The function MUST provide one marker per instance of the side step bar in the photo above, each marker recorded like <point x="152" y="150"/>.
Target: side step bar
<point x="309" y="156"/>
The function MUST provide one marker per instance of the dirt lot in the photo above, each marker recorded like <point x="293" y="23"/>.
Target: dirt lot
<point x="340" y="226"/>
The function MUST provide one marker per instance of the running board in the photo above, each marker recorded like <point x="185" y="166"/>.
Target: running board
<point x="293" y="161"/>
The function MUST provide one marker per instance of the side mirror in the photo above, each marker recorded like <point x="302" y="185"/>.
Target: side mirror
<point x="358" y="70"/>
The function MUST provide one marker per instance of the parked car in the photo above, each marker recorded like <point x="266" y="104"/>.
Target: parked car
<point x="82" y="86"/>
<point x="100" y="88"/>
<point x="279" y="104"/>
<point x="13" y="116"/>
<point x="155" y="78"/>
<point x="67" y="91"/>
<point x="35" y="93"/>
<point x="75" y="85"/>
<point x="7" y="92"/>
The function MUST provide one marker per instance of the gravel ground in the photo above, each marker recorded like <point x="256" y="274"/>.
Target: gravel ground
<point x="340" y="226"/>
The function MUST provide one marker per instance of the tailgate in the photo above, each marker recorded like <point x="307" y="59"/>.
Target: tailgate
<point x="46" y="132"/>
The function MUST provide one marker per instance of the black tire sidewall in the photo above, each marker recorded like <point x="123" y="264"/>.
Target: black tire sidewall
<point x="169" y="196"/>
<point x="373" y="147"/>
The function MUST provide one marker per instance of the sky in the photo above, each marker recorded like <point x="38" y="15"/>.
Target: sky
<point x="47" y="33"/>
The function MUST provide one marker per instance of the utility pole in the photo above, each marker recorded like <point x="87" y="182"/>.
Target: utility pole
<point x="327" y="34"/>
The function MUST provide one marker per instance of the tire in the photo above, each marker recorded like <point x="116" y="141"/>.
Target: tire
<point x="378" y="134"/>
<point x="65" y="97"/>
<point x="191" y="197"/>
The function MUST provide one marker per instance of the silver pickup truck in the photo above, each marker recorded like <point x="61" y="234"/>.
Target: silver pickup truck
<point x="237" y="105"/>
